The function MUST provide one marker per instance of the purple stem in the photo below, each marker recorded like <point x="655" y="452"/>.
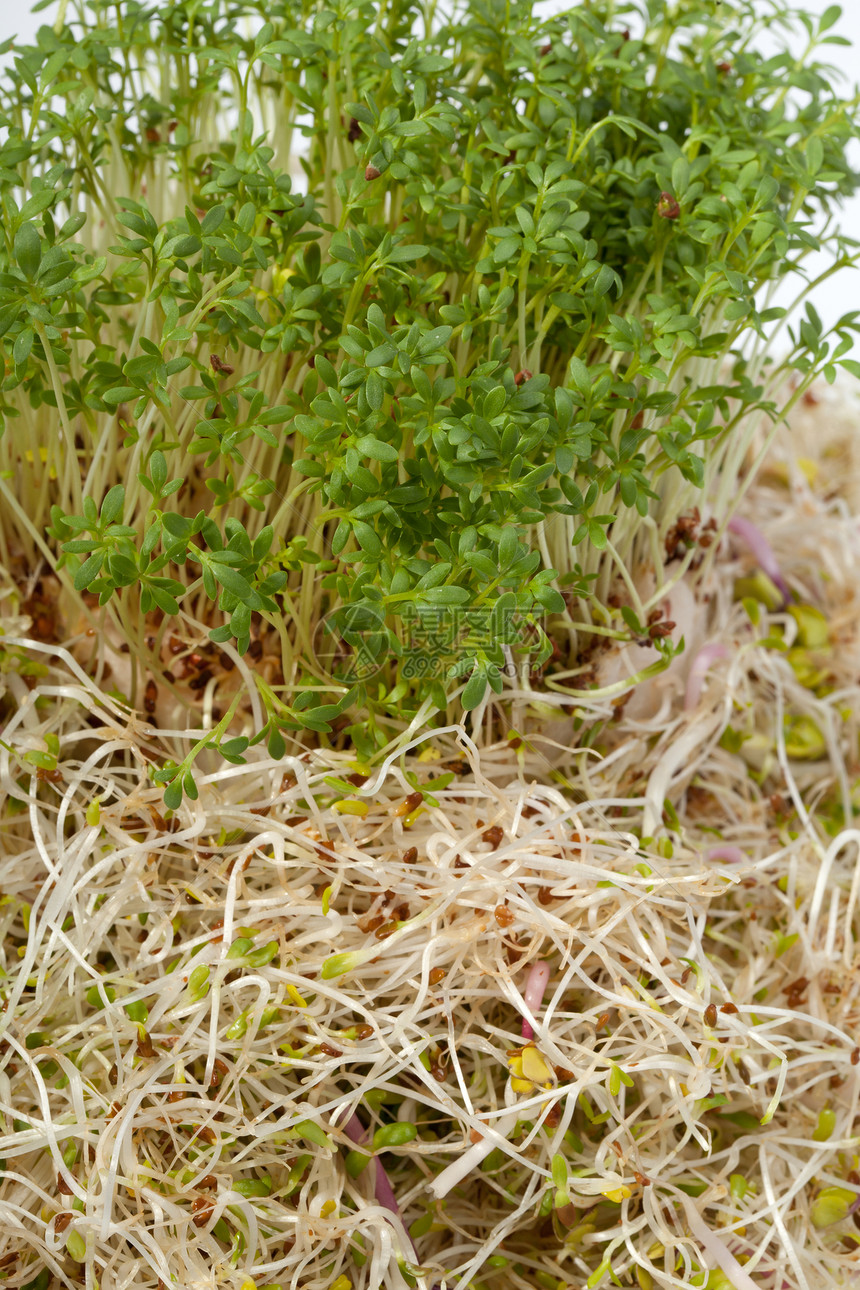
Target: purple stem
<point x="382" y="1189"/>
<point x="355" y="1130"/>
<point x="733" y="855"/>
<point x="761" y="549"/>
<point x="536" y="984"/>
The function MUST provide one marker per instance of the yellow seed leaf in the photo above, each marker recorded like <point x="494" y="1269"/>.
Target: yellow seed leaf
<point x="812" y="626"/>
<point x="535" y="1068"/>
<point x="831" y="1206"/>
<point x="296" y="997"/>
<point x="349" y="807"/>
<point x="617" y="1194"/>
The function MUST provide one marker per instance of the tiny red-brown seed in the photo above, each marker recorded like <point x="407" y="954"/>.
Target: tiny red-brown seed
<point x="553" y="1116"/>
<point x="144" y="1045"/>
<point x="150" y="697"/>
<point x="436" y="975"/>
<point x="657" y="631"/>
<point x="493" y="835"/>
<point x="219" y="1070"/>
<point x="372" y="924"/>
<point x="711" y="1015"/>
<point x="668" y="207"/>
<point x="371" y="173"/>
<point x="503" y="916"/>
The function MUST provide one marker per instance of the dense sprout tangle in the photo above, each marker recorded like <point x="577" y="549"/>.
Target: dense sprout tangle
<point x="214" y="1023"/>
<point x="462" y="379"/>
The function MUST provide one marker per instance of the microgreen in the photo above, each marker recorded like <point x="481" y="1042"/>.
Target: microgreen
<point x="516" y="320"/>
<point x="364" y="366"/>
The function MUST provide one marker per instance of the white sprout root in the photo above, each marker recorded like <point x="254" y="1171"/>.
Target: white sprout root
<point x="185" y="1038"/>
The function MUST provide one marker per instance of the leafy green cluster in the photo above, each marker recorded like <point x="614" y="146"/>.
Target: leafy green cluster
<point x="512" y="314"/>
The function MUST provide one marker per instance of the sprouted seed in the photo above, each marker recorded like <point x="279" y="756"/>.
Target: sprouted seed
<point x="463" y="328"/>
<point x="538" y="980"/>
<point x="177" y="1061"/>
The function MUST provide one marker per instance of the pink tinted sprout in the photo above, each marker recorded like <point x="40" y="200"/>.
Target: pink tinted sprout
<point x="382" y="1189"/>
<point x="536" y="984"/>
<point x="706" y="656"/>
<point x="733" y="855"/>
<point x="761" y="549"/>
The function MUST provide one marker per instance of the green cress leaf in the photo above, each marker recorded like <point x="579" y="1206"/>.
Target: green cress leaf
<point x="479" y="317"/>
<point x="27" y="250"/>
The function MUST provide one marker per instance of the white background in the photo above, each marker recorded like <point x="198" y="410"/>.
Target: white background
<point x="833" y="298"/>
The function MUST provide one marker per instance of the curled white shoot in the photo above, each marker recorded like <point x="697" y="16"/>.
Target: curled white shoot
<point x="177" y="1053"/>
